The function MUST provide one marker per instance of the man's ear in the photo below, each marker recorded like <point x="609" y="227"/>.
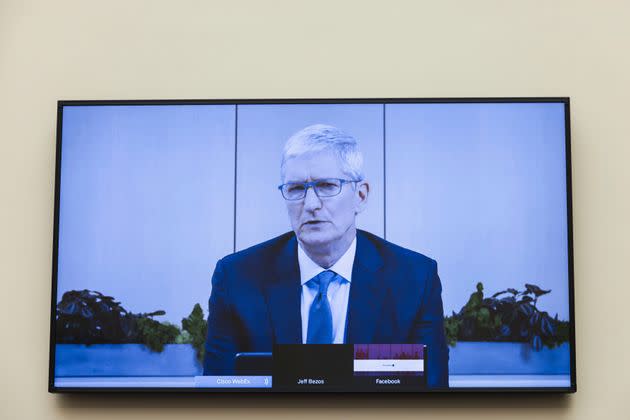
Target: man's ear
<point x="362" y="193"/>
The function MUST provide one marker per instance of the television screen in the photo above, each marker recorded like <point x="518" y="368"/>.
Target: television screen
<point x="382" y="245"/>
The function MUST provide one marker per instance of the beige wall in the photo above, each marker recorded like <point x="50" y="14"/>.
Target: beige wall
<point x="53" y="50"/>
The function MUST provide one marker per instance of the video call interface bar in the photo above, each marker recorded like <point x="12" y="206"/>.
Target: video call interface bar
<point x="330" y="367"/>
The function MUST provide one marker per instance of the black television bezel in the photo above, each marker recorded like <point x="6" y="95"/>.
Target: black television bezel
<point x="511" y="390"/>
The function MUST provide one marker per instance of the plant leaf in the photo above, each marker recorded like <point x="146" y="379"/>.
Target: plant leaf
<point x="537" y="343"/>
<point x="537" y="291"/>
<point x="526" y="299"/>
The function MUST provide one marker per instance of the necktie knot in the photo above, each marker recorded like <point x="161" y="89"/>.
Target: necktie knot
<point x="322" y="280"/>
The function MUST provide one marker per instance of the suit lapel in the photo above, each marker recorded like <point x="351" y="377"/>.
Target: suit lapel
<point x="283" y="296"/>
<point x="366" y="293"/>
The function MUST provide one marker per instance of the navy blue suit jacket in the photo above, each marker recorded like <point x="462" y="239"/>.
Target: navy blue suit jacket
<point x="395" y="297"/>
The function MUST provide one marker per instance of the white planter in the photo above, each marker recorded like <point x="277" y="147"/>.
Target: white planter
<point x="490" y="358"/>
<point x="74" y="360"/>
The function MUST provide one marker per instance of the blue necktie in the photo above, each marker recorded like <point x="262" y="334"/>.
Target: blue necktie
<point x="320" y="329"/>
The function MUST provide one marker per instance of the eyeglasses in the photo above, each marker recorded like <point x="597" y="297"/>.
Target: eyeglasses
<point x="328" y="187"/>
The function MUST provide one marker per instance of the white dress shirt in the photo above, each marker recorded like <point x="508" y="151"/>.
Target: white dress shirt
<point x="338" y="290"/>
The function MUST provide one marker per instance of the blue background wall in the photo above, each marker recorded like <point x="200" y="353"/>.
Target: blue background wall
<point x="147" y="203"/>
<point x="481" y="188"/>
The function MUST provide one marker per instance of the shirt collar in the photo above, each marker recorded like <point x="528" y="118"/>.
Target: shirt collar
<point x="343" y="267"/>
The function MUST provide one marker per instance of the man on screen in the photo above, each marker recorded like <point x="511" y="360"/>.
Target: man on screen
<point x="325" y="282"/>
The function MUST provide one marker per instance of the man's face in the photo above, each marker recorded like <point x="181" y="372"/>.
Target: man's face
<point x="323" y="221"/>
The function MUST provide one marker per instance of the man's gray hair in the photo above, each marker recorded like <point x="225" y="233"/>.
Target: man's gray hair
<point x="320" y="137"/>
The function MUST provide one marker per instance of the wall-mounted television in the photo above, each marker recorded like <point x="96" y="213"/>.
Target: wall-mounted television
<point x="328" y="245"/>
